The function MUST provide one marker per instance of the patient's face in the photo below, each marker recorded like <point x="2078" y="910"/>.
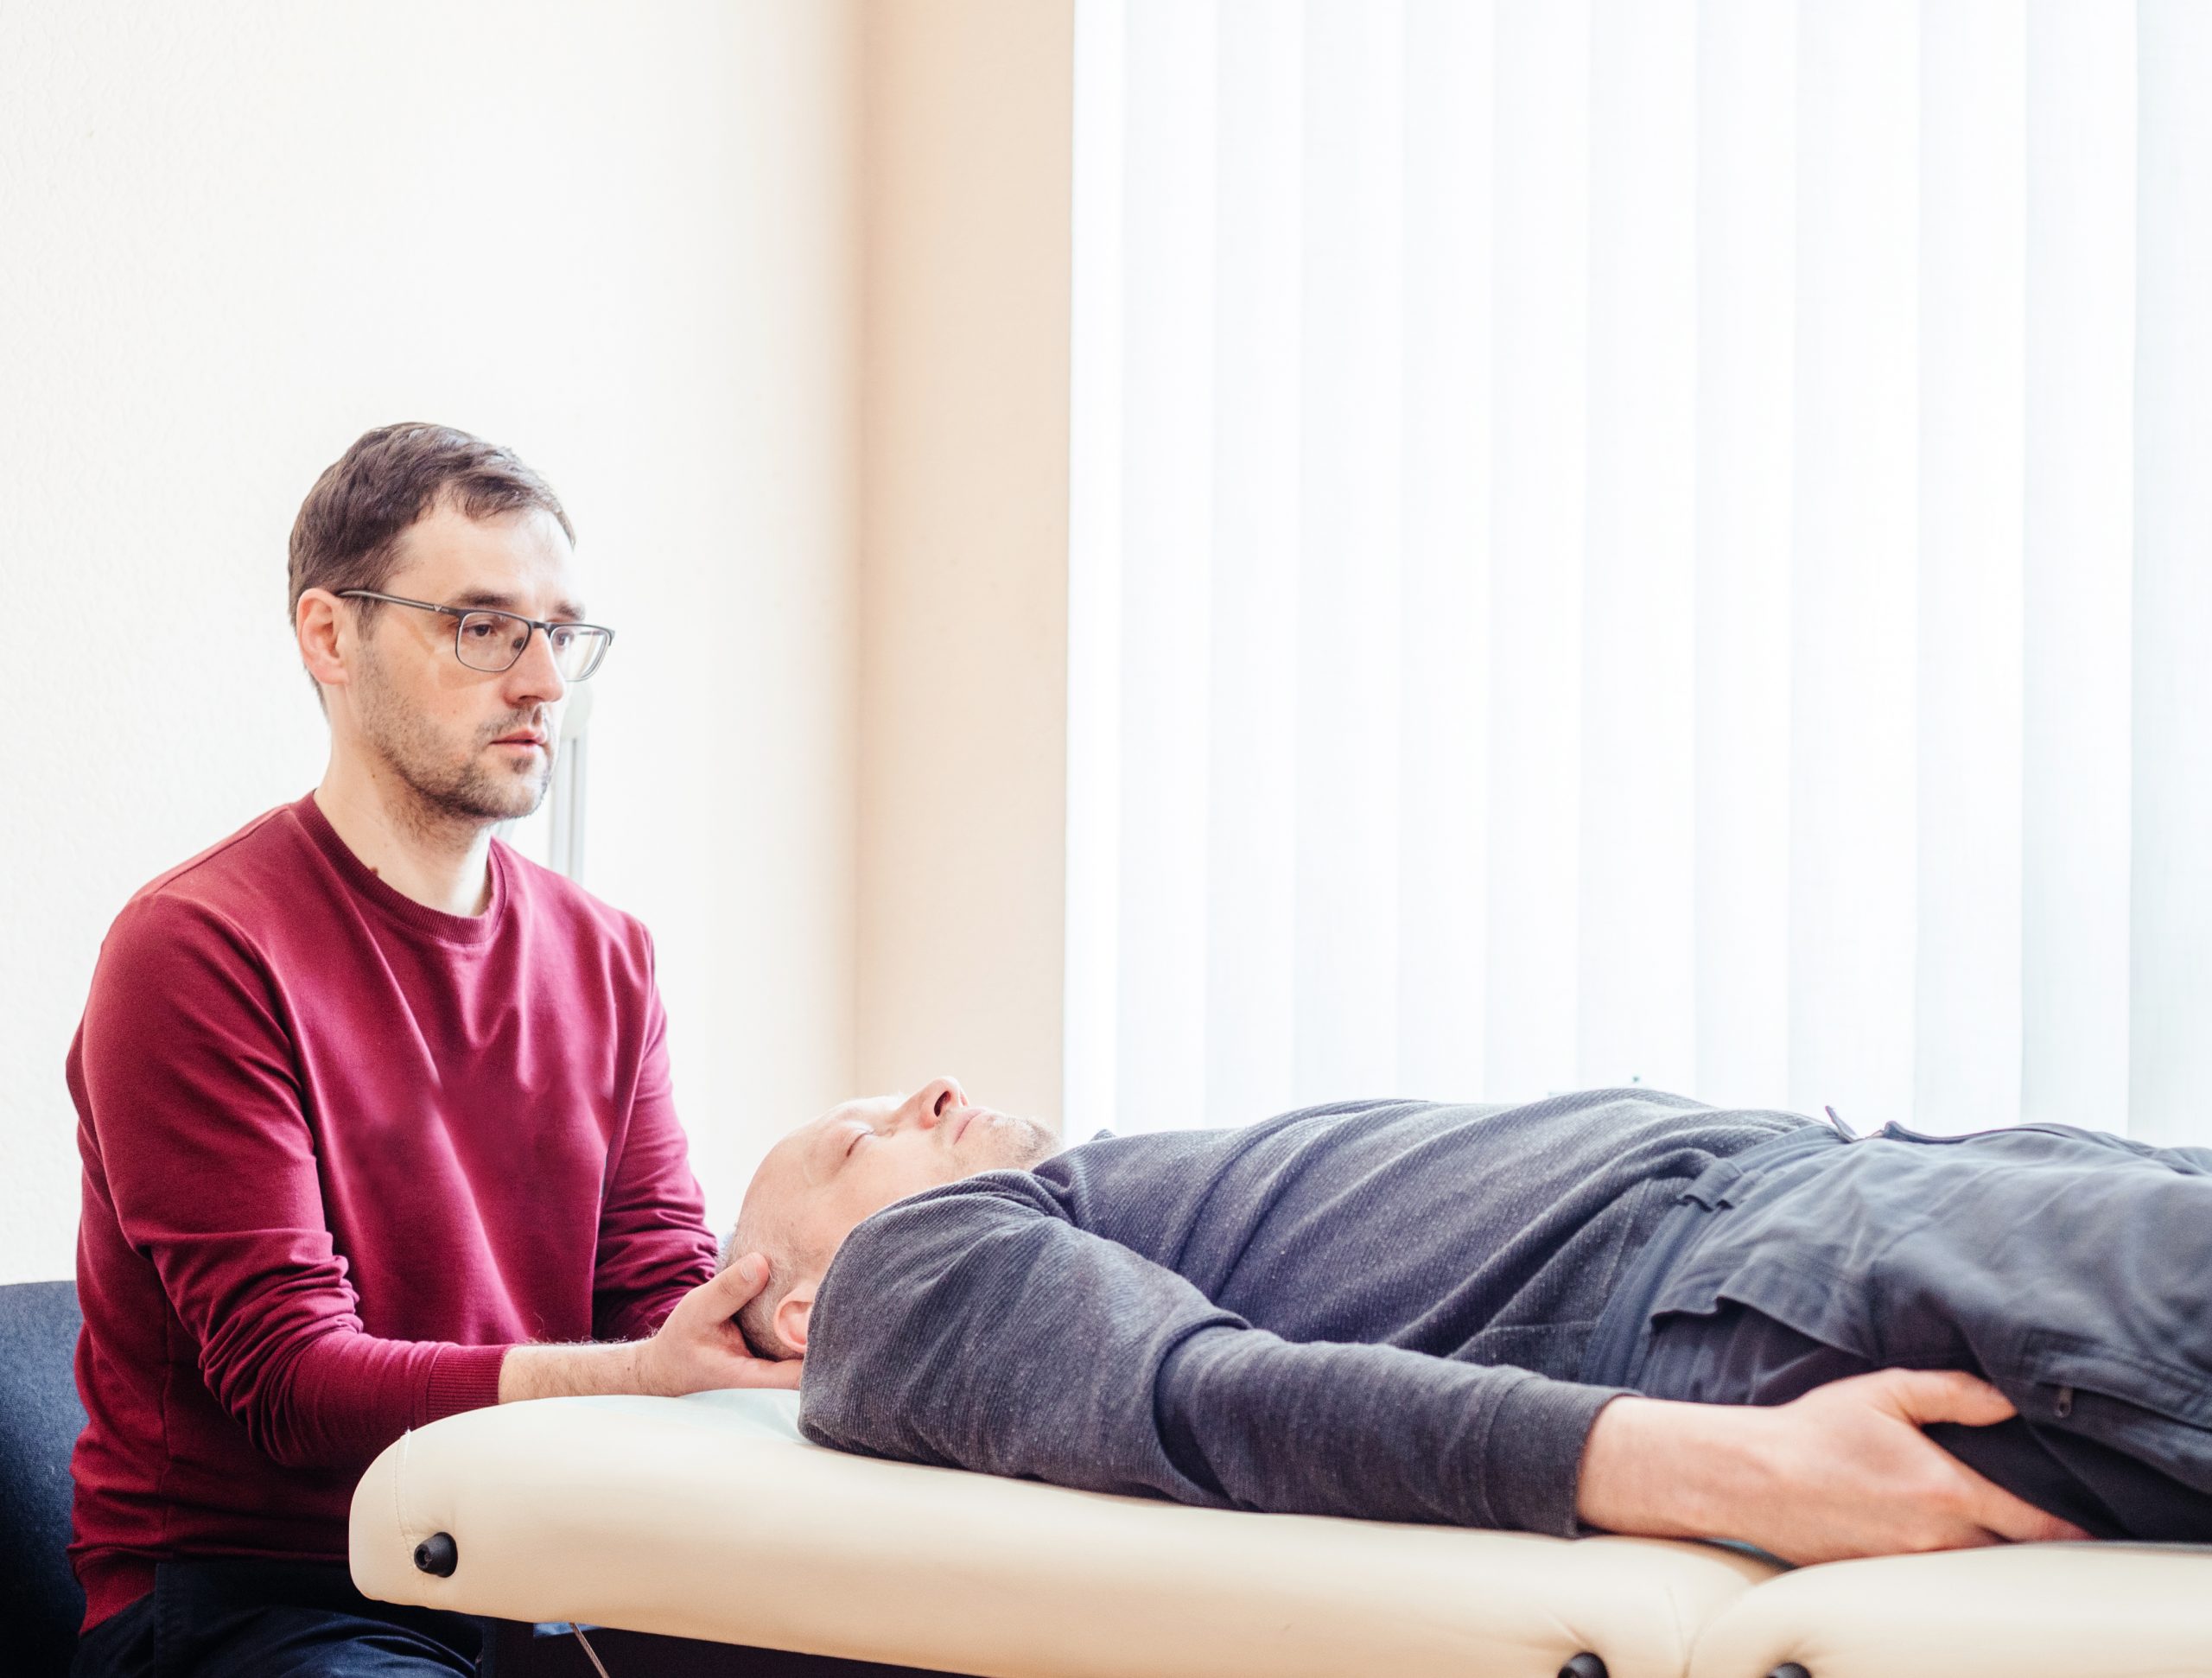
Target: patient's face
<point x="856" y="1159"/>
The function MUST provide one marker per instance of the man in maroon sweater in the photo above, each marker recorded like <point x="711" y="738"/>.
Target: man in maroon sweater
<point x="375" y="1114"/>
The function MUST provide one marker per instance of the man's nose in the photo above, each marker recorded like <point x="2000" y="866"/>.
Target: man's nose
<point x="935" y="1099"/>
<point x="535" y="677"/>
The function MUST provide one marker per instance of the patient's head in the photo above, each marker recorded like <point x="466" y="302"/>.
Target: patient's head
<point x="856" y="1160"/>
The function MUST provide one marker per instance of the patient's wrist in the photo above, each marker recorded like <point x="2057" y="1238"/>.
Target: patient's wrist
<point x="1660" y="1469"/>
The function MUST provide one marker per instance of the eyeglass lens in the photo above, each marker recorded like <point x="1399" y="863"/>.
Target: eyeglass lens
<point x="495" y="640"/>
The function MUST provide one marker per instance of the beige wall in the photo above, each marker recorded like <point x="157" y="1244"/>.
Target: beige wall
<point x="963" y="550"/>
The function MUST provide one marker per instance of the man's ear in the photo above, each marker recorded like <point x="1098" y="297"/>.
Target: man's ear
<point x="315" y="623"/>
<point x="793" y="1311"/>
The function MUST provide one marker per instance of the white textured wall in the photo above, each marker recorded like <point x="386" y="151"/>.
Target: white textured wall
<point x="621" y="240"/>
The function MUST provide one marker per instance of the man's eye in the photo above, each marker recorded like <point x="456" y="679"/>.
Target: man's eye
<point x="560" y="635"/>
<point x="855" y="1143"/>
<point x="480" y="629"/>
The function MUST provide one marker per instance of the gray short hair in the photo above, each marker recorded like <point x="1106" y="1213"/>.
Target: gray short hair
<point x="756" y="1320"/>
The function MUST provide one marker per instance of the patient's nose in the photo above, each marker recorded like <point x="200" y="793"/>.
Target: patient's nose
<point x="937" y="1098"/>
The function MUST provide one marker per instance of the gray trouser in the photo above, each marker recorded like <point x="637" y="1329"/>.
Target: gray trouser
<point x="2070" y="1268"/>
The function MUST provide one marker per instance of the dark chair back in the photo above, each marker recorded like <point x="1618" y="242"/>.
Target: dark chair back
<point x="40" y="1420"/>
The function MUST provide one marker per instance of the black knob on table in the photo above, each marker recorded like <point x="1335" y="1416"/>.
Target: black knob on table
<point x="1584" y="1665"/>
<point x="438" y="1554"/>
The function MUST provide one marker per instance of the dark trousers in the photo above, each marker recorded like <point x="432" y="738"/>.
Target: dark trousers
<point x="269" y="1619"/>
<point x="2069" y="1268"/>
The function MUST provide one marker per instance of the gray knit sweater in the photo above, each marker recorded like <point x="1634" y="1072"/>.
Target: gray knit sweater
<point x="1373" y="1309"/>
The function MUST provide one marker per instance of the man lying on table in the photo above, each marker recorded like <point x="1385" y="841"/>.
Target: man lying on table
<point x="1616" y="1310"/>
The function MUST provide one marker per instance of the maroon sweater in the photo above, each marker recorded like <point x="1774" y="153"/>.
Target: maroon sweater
<point x="341" y="1152"/>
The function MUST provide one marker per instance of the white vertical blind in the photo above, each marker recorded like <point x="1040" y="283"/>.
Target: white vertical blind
<point x="1739" y="652"/>
<point x="1092" y="934"/>
<point x="1637" y="884"/>
<point x="2170" y="927"/>
<point x="1250" y="872"/>
<point x="1166" y="451"/>
<point x="1442" y="984"/>
<point x="1540" y="266"/>
<point x="1350" y="339"/>
<point x="1967" y="900"/>
<point x="2077" y="591"/>
<point x="1854" y="617"/>
<point x="1642" y="540"/>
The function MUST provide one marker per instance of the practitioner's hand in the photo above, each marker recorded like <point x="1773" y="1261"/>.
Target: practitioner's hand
<point x="1844" y="1471"/>
<point x="698" y="1348"/>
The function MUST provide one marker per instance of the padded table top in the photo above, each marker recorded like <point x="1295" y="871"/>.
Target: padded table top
<point x="711" y="1517"/>
<point x="2017" y="1610"/>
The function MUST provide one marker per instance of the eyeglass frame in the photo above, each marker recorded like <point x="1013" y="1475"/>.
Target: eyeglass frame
<point x="460" y="613"/>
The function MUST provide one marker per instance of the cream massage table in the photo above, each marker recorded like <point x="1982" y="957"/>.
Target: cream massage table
<point x="711" y="1518"/>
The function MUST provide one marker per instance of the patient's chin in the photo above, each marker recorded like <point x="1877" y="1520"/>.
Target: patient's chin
<point x="1028" y="1142"/>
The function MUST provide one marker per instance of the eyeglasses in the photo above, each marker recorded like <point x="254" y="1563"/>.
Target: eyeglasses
<point x="493" y="641"/>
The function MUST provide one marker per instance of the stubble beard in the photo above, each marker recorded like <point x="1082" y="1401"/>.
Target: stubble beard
<point x="448" y="793"/>
<point x="1021" y="1144"/>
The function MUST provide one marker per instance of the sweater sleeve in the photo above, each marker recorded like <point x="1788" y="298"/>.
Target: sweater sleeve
<point x="974" y="1327"/>
<point x="653" y="1242"/>
<point x="195" y="1111"/>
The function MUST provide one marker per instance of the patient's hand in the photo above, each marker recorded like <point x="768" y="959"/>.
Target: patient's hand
<point x="1844" y="1471"/>
<point x="698" y="1348"/>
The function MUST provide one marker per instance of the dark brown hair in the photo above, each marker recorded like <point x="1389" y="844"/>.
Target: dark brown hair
<point x="347" y="533"/>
